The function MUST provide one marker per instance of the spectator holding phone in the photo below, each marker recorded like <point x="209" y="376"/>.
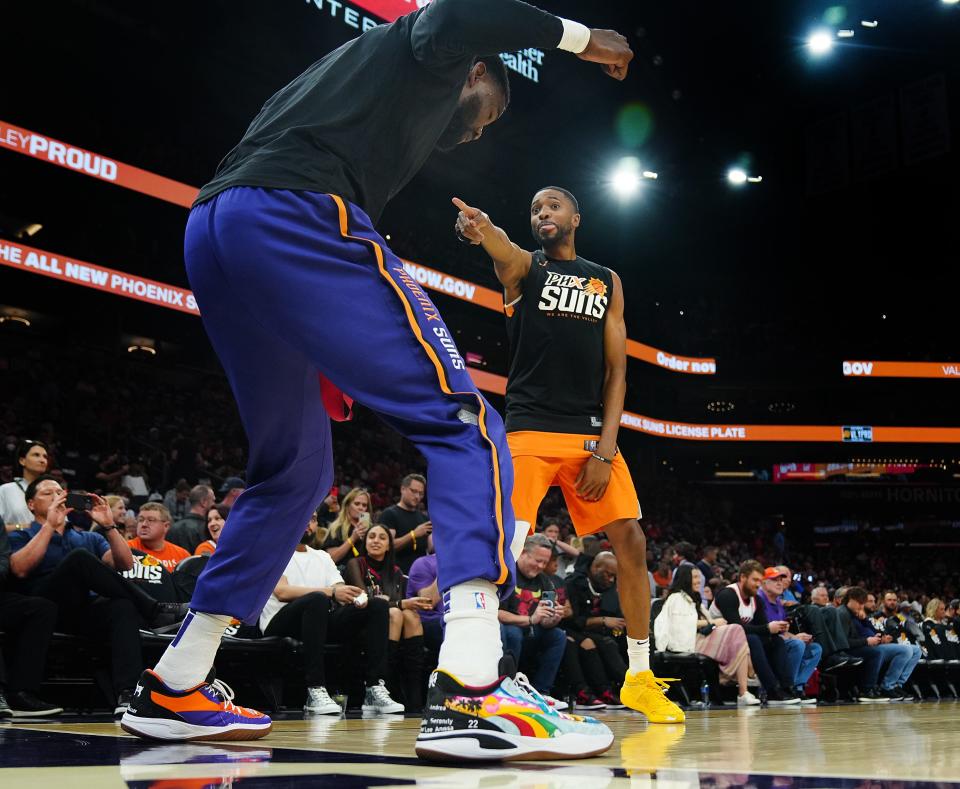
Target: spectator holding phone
<point x="376" y="570"/>
<point x="409" y="525"/>
<point x="529" y="616"/>
<point x="348" y="531"/>
<point x="66" y="565"/>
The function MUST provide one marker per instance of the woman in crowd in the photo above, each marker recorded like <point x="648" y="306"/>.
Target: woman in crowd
<point x="33" y="461"/>
<point x="122" y="517"/>
<point x="216" y="517"/>
<point x="685" y="626"/>
<point x="345" y="537"/>
<point x="376" y="570"/>
<point x="567" y="548"/>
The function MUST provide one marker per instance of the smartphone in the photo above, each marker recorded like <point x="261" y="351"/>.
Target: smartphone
<point x="549" y="598"/>
<point x="79" y="501"/>
<point x="796" y="576"/>
<point x="335" y="492"/>
<point x="365" y="518"/>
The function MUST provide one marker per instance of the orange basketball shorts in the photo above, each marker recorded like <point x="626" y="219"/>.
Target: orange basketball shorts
<point x="543" y="459"/>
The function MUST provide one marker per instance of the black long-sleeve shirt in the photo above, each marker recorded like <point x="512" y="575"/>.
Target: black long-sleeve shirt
<point x="854" y="635"/>
<point x="362" y="121"/>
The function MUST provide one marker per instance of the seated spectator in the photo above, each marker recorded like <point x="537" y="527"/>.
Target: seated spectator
<point x="65" y="565"/>
<point x="899" y="659"/>
<point x="528" y="619"/>
<point x="684" y="625"/>
<point x="216" y="518"/>
<point x="153" y="523"/>
<point x="706" y="565"/>
<point x="592" y="663"/>
<point x="125" y="522"/>
<point x="376" y="570"/>
<point x="349" y="529"/>
<point x="408" y="524"/>
<point x="191" y="530"/>
<point x="862" y="645"/>
<point x="800" y="654"/>
<point x="792" y="591"/>
<point x="177" y="500"/>
<point x="329" y="509"/>
<point x="894" y="619"/>
<point x="934" y="632"/>
<point x="423" y="582"/>
<point x="823" y="621"/>
<point x="230" y="490"/>
<point x="135" y="480"/>
<point x="663" y="575"/>
<point x="28" y="623"/>
<point x="683" y="553"/>
<point x="737" y="603"/>
<point x="566" y="553"/>
<point x="312" y="603"/>
<point x="33" y="461"/>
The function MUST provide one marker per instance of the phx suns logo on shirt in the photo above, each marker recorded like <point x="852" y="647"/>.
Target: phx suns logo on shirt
<point x="575" y="297"/>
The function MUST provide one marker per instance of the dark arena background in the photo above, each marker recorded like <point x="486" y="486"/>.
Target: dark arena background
<point x="776" y="186"/>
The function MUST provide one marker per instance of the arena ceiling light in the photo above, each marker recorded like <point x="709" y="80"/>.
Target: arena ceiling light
<point x="628" y="175"/>
<point x="820" y="42"/>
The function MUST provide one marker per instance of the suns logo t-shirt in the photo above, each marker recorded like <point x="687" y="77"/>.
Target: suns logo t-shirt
<point x="555" y="328"/>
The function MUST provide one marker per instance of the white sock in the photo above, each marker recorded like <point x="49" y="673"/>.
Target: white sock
<point x="471" y="648"/>
<point x="638" y="651"/>
<point x="189" y="658"/>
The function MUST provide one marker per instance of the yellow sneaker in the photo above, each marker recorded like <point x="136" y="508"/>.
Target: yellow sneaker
<point x="646" y="693"/>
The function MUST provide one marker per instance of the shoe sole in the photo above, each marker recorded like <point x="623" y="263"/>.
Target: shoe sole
<point x="589" y="706"/>
<point x="385" y="710"/>
<point x="874" y="701"/>
<point x="334" y="709"/>
<point x="476" y="745"/>
<point x="34" y="713"/>
<point x="783" y="703"/>
<point x="178" y="731"/>
<point x="616" y="706"/>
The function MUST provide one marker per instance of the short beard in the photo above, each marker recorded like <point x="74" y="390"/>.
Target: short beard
<point x="463" y="120"/>
<point x="307" y="538"/>
<point x="550" y="241"/>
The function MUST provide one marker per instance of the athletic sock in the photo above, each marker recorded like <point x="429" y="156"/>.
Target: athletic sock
<point x="471" y="648"/>
<point x="187" y="661"/>
<point x="638" y="651"/>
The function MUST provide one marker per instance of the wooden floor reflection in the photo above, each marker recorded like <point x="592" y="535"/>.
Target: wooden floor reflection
<point x="893" y="742"/>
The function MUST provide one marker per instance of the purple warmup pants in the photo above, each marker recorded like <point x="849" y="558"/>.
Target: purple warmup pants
<point x="296" y="284"/>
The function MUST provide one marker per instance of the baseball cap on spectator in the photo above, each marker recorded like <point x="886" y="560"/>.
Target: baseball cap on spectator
<point x="230" y="483"/>
<point x="773" y="572"/>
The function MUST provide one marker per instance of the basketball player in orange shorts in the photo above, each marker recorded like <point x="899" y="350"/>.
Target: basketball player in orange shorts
<point x="565" y="393"/>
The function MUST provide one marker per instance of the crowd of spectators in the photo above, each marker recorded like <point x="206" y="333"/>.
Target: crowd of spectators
<point x="157" y="471"/>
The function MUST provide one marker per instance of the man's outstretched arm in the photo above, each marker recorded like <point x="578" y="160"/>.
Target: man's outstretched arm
<point x="510" y="262"/>
<point x="449" y="30"/>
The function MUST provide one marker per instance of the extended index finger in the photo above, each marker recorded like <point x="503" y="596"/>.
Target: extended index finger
<point x="464" y="207"/>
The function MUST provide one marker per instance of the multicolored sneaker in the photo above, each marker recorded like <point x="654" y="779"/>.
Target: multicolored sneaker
<point x="502" y="721"/>
<point x="646" y="693"/>
<point x="205" y="712"/>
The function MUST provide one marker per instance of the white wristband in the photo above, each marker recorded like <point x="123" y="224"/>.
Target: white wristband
<point x="575" y="36"/>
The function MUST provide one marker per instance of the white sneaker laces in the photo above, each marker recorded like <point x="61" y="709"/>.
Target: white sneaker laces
<point x="320" y="697"/>
<point x="527" y="689"/>
<point x="226" y="692"/>
<point x="380" y="694"/>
